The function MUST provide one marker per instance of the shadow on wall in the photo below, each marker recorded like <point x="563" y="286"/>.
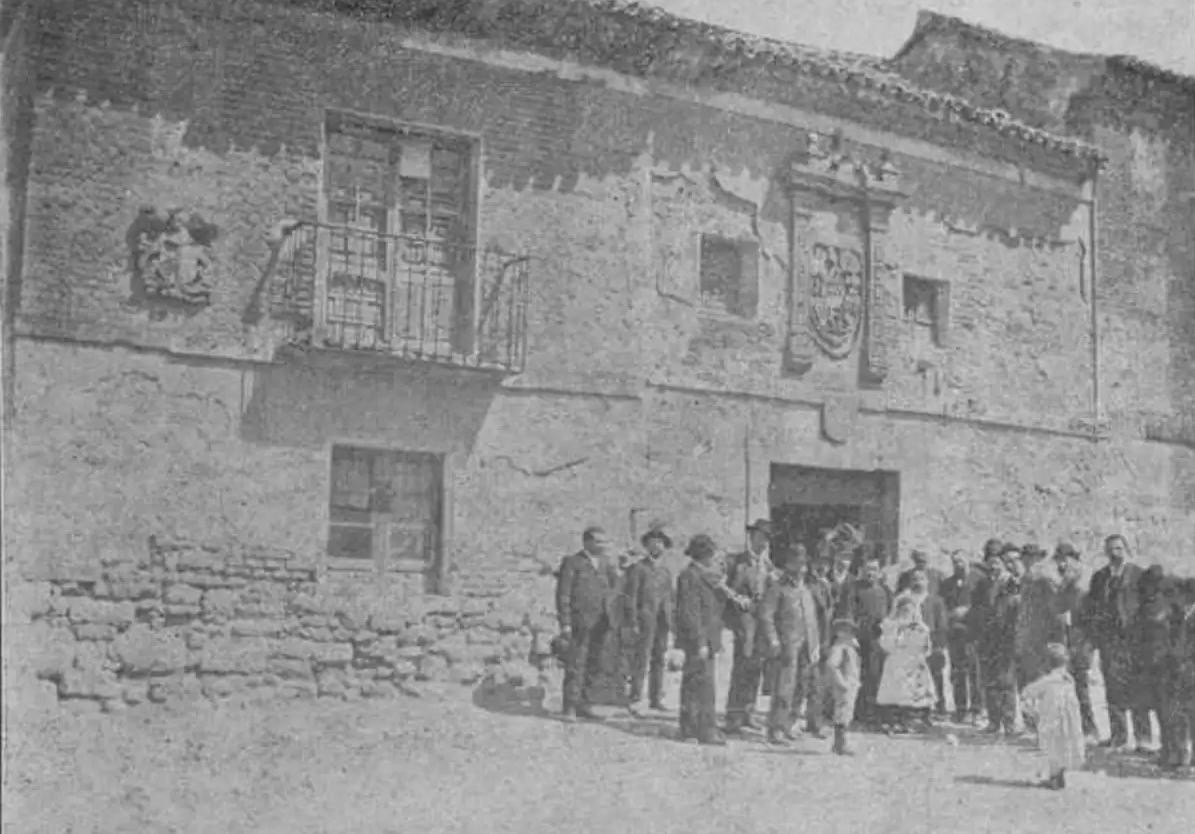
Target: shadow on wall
<point x="312" y="401"/>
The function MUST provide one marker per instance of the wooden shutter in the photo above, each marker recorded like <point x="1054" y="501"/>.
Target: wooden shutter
<point x="747" y="301"/>
<point x="942" y="313"/>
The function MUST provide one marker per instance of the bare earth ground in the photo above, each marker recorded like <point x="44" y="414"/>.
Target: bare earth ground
<point x="448" y="762"/>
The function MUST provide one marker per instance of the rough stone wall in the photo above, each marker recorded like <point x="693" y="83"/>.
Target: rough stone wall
<point x="1144" y="123"/>
<point x="128" y="463"/>
<point x="184" y="620"/>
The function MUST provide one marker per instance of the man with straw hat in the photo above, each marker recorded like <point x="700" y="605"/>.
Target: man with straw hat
<point x="652" y="601"/>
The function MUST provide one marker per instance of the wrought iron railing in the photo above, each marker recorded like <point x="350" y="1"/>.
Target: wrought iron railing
<point x="406" y="296"/>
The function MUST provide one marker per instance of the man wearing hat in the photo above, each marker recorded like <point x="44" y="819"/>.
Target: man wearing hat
<point x="652" y="602"/>
<point x="748" y="574"/>
<point x="701" y="596"/>
<point x="920" y="563"/>
<point x="1077" y="642"/>
<point x="789" y="630"/>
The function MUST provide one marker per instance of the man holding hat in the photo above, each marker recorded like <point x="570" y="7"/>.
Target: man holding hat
<point x="585" y="587"/>
<point x="652" y="602"/>
<point x="701" y="596"/>
<point x="748" y="574"/>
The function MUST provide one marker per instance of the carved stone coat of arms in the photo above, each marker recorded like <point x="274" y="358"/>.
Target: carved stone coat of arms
<point x="835" y="298"/>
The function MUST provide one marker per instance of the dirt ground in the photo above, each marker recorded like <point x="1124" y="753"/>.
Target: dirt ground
<point x="452" y="761"/>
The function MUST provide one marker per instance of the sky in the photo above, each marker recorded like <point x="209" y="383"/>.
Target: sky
<point x="1160" y="31"/>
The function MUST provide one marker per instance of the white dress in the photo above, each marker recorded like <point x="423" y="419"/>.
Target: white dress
<point x="1052" y="701"/>
<point x="906" y="680"/>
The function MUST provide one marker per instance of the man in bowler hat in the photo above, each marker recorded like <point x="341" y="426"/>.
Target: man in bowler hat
<point x="585" y="586"/>
<point x="701" y="596"/>
<point x="748" y="574"/>
<point x="652" y="602"/>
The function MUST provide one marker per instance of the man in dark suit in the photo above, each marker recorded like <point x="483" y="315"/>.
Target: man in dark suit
<point x="701" y="596"/>
<point x="992" y="620"/>
<point x="920" y="563"/>
<point x="748" y="574"/>
<point x="1111" y="606"/>
<point x="585" y="586"/>
<point x="652" y="601"/>
<point x="964" y="665"/>
<point x="867" y="601"/>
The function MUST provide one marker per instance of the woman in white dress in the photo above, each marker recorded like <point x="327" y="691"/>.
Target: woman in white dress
<point x="907" y="685"/>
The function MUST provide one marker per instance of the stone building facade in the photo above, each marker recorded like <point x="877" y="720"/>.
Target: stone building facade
<point x="332" y="325"/>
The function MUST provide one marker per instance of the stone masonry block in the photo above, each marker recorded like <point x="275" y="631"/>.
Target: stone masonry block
<point x="255" y="628"/>
<point x="234" y="656"/>
<point x="94" y="631"/>
<point x="143" y="651"/>
<point x="179" y="594"/>
<point x="218" y="602"/>
<point x="85" y="610"/>
<point x="88" y="683"/>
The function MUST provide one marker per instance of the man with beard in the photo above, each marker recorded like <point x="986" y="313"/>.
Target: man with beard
<point x="748" y="575"/>
<point x="867" y="601"/>
<point x="1111" y="606"/>
<point x="933" y="576"/>
<point x="964" y="667"/>
<point x="651" y="598"/>
<point x="993" y="622"/>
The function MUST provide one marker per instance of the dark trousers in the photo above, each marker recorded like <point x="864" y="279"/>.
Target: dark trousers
<point x="746" y="672"/>
<point x="1178" y="721"/>
<point x="964" y="677"/>
<point x="787" y="689"/>
<point x="811" y="693"/>
<point x="871" y="668"/>
<point x="1081" y="675"/>
<point x="1116" y="666"/>
<point x="937" y="665"/>
<point x="584" y="664"/>
<point x="999" y="676"/>
<point x="650" y="649"/>
<point x="697" y="711"/>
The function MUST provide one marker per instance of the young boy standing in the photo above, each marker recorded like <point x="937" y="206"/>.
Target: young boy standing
<point x="842" y="679"/>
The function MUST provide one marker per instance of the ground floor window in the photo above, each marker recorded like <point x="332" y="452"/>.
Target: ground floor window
<point x="386" y="509"/>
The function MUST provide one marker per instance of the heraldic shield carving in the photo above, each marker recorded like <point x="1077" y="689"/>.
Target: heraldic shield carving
<point x="835" y="298"/>
<point x="172" y="257"/>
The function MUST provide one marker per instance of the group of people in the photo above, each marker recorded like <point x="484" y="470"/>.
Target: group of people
<point x="831" y="642"/>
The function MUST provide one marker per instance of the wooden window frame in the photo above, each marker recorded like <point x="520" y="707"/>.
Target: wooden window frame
<point x="379" y="563"/>
<point x="467" y="286"/>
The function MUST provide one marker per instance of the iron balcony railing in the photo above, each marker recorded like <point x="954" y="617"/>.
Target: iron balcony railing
<point x="406" y="296"/>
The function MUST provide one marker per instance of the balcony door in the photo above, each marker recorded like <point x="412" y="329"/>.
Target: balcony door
<point x="400" y="206"/>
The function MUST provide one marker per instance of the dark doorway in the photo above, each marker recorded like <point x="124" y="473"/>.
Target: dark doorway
<point x="808" y="501"/>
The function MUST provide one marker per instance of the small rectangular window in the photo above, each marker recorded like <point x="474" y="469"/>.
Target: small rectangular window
<point x="729" y="275"/>
<point x="926" y="308"/>
<point x="385" y="509"/>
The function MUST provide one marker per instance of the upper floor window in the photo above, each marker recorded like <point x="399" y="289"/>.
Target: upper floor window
<point x="926" y="309"/>
<point x="401" y="249"/>
<point x="729" y="275"/>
